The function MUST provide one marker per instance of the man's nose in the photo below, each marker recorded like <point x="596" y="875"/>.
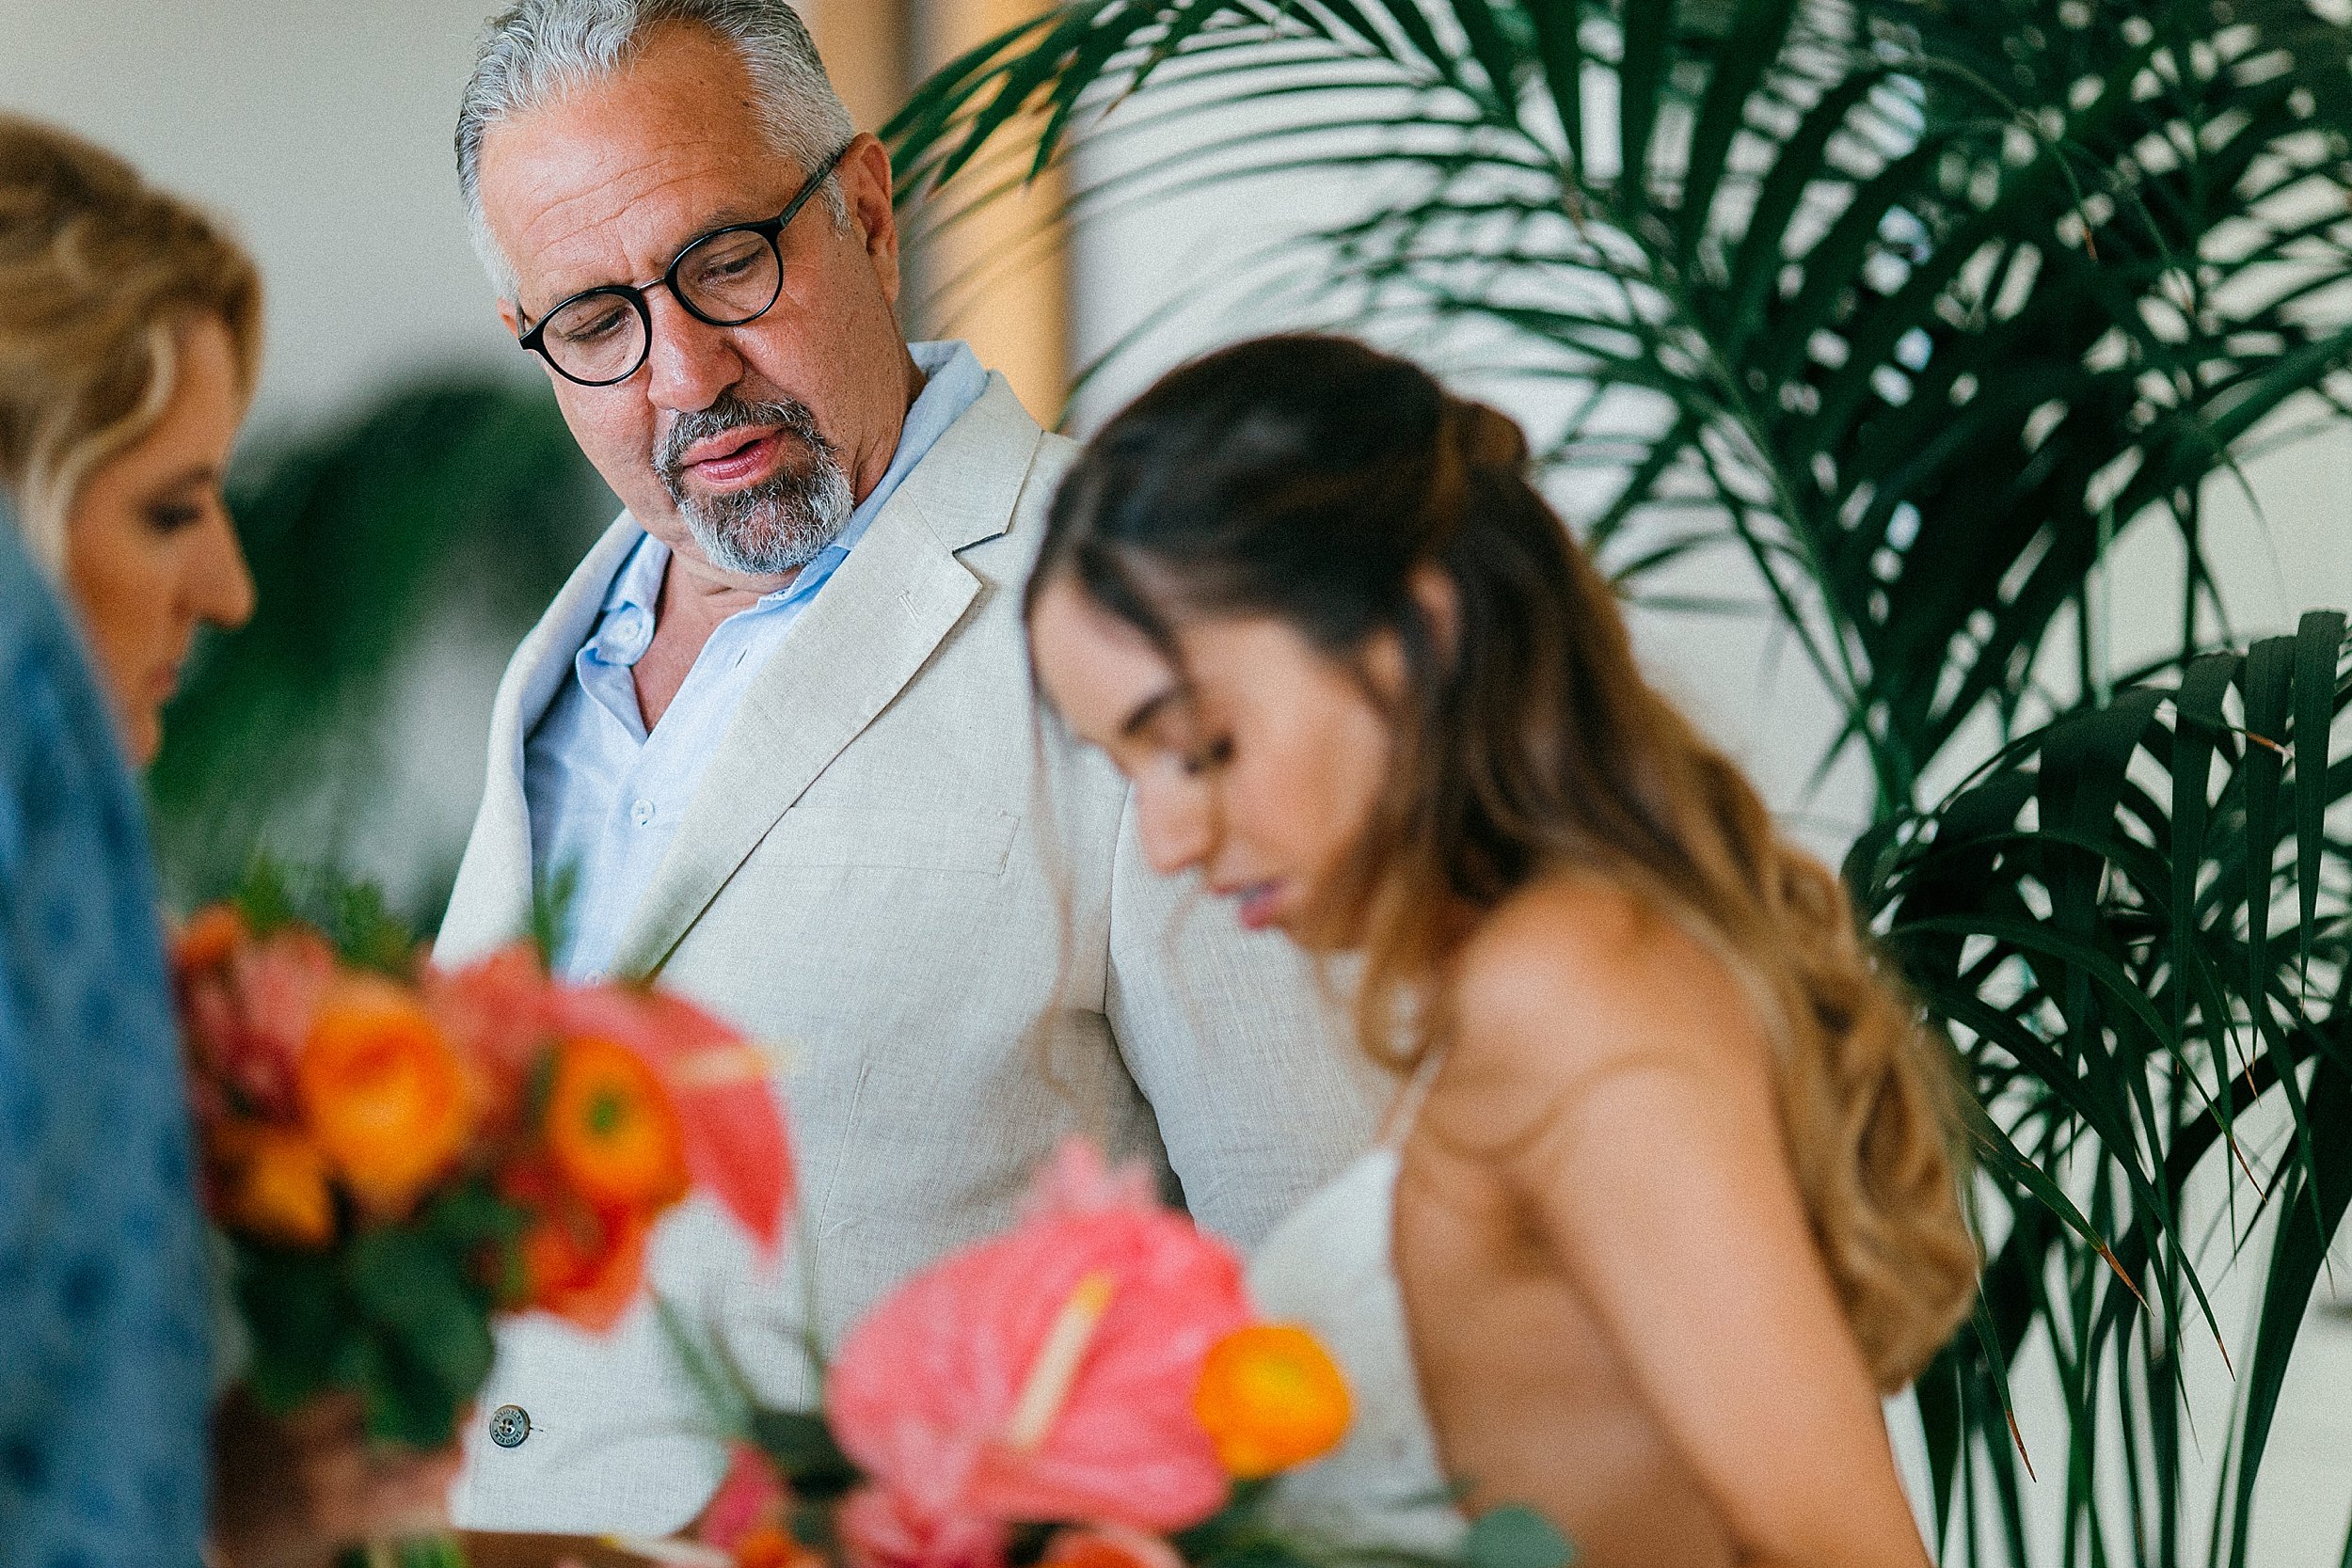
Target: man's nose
<point x="692" y="361"/>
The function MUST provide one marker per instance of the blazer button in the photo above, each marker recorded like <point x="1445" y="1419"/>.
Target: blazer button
<point x="509" y="1425"/>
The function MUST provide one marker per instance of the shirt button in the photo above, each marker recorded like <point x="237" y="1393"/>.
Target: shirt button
<point x="509" y="1425"/>
<point x="642" y="813"/>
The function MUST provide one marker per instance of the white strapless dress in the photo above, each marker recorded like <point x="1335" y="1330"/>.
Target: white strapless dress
<point x="1331" y="1268"/>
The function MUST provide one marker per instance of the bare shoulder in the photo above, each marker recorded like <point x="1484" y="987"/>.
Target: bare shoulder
<point x="1577" y="976"/>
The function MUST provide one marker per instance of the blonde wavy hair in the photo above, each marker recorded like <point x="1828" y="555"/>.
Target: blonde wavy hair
<point x="99" y="274"/>
<point x="1310" y="479"/>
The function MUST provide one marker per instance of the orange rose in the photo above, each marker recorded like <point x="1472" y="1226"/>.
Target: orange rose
<point x="1271" y="1399"/>
<point x="383" y="1093"/>
<point x="271" y="1184"/>
<point x="612" y="1130"/>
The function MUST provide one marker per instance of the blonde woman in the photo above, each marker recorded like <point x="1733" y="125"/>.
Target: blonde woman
<point x="130" y="337"/>
<point x="1670" y="1199"/>
<point x="130" y="340"/>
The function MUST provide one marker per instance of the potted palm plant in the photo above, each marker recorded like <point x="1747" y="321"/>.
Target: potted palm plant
<point x="1920" y="304"/>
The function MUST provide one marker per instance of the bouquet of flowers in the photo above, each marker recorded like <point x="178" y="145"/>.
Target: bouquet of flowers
<point x="1092" y="1389"/>
<point x="397" y="1154"/>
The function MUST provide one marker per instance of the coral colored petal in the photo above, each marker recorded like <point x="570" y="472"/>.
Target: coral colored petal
<point x="1109" y="1547"/>
<point x="922" y="1392"/>
<point x="750" y="1498"/>
<point x="887" y="1529"/>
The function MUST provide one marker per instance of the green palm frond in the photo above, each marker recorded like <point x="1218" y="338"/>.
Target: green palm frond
<point x="2139" y="922"/>
<point x="455" y="505"/>
<point x="1920" y="304"/>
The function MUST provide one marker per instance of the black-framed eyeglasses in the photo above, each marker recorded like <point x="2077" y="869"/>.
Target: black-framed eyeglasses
<point x="731" y="275"/>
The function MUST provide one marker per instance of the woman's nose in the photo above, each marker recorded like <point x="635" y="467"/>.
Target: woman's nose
<point x="220" y="585"/>
<point x="1176" y="824"/>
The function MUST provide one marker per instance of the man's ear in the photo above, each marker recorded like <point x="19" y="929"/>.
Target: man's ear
<point x="512" y="316"/>
<point x="866" y="186"/>
<point x="1440" y="603"/>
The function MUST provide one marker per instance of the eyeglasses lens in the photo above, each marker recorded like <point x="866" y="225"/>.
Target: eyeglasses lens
<point x="731" y="277"/>
<point x="727" y="279"/>
<point x="595" y="338"/>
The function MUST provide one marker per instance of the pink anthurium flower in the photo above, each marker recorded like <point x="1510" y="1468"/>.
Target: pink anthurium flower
<point x="1046" y="1374"/>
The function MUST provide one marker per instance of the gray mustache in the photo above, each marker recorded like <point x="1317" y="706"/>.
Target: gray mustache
<point x="731" y="413"/>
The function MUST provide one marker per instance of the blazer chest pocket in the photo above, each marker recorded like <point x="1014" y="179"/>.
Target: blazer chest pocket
<point x="976" y="842"/>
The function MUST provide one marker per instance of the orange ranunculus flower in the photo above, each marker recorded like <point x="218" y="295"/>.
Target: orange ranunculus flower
<point x="271" y="1182"/>
<point x="383" y="1094"/>
<point x="612" y="1130"/>
<point x="1271" y="1399"/>
<point x="585" y="1265"/>
<point x="772" y="1546"/>
<point x="211" y="935"/>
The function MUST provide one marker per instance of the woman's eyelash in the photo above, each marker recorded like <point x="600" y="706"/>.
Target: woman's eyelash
<point x="1215" y="754"/>
<point x="172" y="516"/>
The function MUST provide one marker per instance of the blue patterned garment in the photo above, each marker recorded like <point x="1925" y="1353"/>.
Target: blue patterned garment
<point x="104" y="1362"/>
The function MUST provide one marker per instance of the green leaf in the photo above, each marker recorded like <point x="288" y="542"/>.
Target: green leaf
<point x="802" y="1446"/>
<point x="2318" y="648"/>
<point x="300" y="1321"/>
<point x="2297" y="1255"/>
<point x="1516" y="1537"/>
<point x="432" y="1333"/>
<point x="1758" y="29"/>
<point x="1647" y="34"/>
<point x="2196" y="728"/>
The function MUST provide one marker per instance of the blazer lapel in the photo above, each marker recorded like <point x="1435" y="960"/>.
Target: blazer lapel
<point x="491" y="902"/>
<point x="856" y="647"/>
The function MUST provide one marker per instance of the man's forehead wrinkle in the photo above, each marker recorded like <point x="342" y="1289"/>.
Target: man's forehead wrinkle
<point x="625" y="221"/>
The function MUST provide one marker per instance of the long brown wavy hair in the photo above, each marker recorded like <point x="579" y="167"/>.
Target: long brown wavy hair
<point x="1308" y="479"/>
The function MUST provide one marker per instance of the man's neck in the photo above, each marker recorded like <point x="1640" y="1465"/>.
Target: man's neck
<point x="696" y="597"/>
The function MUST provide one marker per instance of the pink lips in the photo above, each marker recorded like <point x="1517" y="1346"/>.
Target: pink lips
<point x="736" y="462"/>
<point x="1257" y="907"/>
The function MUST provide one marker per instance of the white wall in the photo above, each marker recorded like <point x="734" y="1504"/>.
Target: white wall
<point x="323" y="130"/>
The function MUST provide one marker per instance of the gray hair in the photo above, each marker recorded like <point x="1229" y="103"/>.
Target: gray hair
<point x="536" y="50"/>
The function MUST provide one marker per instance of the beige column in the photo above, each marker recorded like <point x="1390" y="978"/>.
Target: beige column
<point x="869" y="51"/>
<point x="999" y="278"/>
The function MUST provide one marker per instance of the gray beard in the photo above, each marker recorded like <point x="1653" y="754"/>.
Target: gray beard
<point x="777" y="526"/>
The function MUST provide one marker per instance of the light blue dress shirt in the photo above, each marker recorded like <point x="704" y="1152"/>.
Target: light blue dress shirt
<point x="105" y="1352"/>
<point x="606" y="798"/>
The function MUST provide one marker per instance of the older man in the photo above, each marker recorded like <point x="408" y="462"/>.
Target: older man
<point x="779" y="731"/>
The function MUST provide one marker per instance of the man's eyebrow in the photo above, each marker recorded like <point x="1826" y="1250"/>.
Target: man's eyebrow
<point x="1150" y="709"/>
<point x="725" y="217"/>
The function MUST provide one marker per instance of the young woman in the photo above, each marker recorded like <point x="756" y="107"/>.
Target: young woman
<point x="129" y="336"/>
<point x="1671" y="1197"/>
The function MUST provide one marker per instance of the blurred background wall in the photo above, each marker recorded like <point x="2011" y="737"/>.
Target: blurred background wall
<point x="324" y="131"/>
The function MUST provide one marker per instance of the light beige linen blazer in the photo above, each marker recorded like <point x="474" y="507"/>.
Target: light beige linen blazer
<point x="868" y="876"/>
